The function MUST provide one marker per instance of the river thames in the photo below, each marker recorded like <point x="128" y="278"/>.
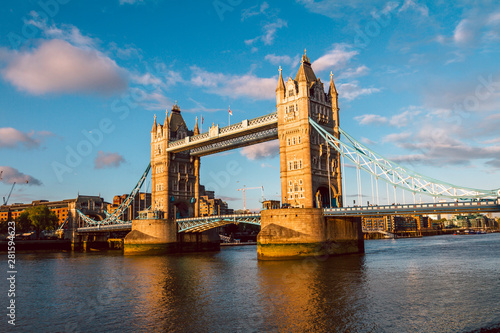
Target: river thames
<point x="431" y="284"/>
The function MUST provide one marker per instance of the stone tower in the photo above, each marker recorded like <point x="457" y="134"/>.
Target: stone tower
<point x="174" y="177"/>
<point x="310" y="170"/>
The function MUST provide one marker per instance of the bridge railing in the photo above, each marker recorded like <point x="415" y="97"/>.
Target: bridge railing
<point x="247" y="123"/>
<point x="424" y="207"/>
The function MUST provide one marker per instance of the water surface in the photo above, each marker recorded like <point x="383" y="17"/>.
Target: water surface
<point x="431" y="284"/>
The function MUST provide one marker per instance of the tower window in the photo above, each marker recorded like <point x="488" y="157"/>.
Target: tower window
<point x="298" y="139"/>
<point x="293" y="140"/>
<point x="288" y="141"/>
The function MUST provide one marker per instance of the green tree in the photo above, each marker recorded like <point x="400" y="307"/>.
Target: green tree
<point x="23" y="222"/>
<point x="39" y="218"/>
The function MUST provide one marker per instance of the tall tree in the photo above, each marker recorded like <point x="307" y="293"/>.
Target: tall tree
<point x="23" y="222"/>
<point x="40" y="218"/>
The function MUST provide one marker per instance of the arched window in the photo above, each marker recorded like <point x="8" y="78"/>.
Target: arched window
<point x="295" y="165"/>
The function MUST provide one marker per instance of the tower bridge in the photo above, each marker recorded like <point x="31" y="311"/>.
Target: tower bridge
<point x="306" y="123"/>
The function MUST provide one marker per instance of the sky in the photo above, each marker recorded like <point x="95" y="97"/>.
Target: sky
<point x="80" y="83"/>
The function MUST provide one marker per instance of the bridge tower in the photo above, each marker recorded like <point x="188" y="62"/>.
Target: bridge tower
<point x="310" y="170"/>
<point x="310" y="176"/>
<point x="174" y="177"/>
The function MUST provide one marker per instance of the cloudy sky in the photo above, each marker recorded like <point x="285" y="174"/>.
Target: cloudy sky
<point x="80" y="82"/>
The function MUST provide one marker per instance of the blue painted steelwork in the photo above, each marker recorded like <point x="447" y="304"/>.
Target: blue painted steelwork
<point x="425" y="208"/>
<point x="199" y="224"/>
<point x="127" y="226"/>
<point x="396" y="175"/>
<point x="114" y="217"/>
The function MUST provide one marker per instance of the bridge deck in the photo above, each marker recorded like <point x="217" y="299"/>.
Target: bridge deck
<point x="425" y="208"/>
<point x="199" y="224"/>
<point x="244" y="133"/>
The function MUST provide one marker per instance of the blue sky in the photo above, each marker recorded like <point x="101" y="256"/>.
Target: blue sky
<point x="419" y="83"/>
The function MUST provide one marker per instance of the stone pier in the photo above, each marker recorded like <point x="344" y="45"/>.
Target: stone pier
<point x="304" y="232"/>
<point x="160" y="236"/>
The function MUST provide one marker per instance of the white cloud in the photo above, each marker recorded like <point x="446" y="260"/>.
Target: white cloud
<point x="351" y="91"/>
<point x="13" y="138"/>
<point x="270" y="31"/>
<point x="11" y="175"/>
<point x="410" y="4"/>
<point x="150" y="100"/>
<point x="107" y="160"/>
<point x="336" y="58"/>
<point x="371" y="119"/>
<point x="56" y="66"/>
<point x="367" y="141"/>
<point x="465" y="32"/>
<point x="66" y="32"/>
<point x="350" y="73"/>
<point x="247" y="85"/>
<point x="254" y="11"/>
<point x="403" y="119"/>
<point x="269" y="34"/>
<point x="282" y="60"/>
<point x="262" y="150"/>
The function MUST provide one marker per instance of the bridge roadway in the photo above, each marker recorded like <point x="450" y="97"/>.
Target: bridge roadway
<point x="199" y="224"/>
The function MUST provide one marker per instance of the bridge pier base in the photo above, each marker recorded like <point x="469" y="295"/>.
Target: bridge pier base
<point x="151" y="236"/>
<point x="305" y="232"/>
<point x="160" y="236"/>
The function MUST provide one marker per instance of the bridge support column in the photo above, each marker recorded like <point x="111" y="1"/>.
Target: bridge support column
<point x="197" y="187"/>
<point x="160" y="236"/>
<point x="151" y="236"/>
<point x="304" y="232"/>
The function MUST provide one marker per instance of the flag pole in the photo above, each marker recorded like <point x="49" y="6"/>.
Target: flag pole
<point x="229" y="116"/>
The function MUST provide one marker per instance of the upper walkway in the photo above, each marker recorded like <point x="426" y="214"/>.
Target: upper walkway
<point x="244" y="133"/>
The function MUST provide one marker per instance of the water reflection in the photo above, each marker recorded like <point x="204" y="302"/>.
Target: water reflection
<point x="441" y="284"/>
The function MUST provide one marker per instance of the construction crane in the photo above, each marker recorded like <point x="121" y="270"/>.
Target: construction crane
<point x="251" y="188"/>
<point x="6" y="201"/>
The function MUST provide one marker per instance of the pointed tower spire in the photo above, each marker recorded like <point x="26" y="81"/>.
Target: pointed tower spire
<point x="154" y="125"/>
<point x="305" y="72"/>
<point x="333" y="89"/>
<point x="281" y="83"/>
<point x="196" y="130"/>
